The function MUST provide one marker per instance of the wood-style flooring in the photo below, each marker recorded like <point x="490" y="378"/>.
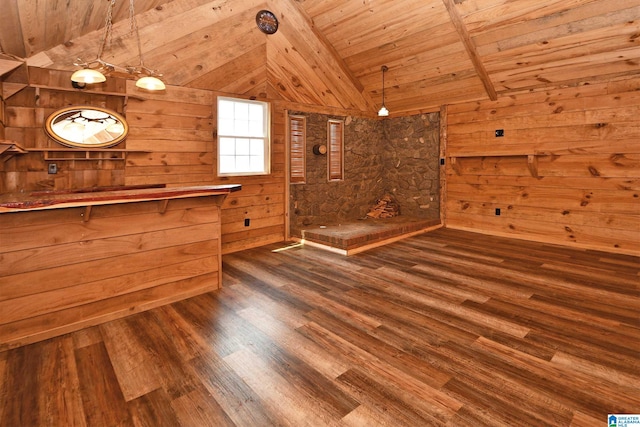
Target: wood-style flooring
<point x="446" y="328"/>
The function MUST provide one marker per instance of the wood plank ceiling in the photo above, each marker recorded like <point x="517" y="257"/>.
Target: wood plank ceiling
<point x="330" y="52"/>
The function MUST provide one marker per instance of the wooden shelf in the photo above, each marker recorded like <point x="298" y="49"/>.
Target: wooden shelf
<point x="15" y="75"/>
<point x="84" y="154"/>
<point x="9" y="149"/>
<point x="532" y="159"/>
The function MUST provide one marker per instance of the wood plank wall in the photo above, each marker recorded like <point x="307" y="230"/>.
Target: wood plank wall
<point x="262" y="198"/>
<point x="566" y="171"/>
<point x="174" y="136"/>
<point x="2" y="125"/>
<point x="25" y="114"/>
<point x="174" y="133"/>
<point x="60" y="272"/>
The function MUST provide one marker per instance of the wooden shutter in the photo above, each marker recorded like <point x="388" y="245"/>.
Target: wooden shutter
<point x="297" y="144"/>
<point x="335" y="136"/>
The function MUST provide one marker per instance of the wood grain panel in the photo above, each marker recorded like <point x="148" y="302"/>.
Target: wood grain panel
<point x="98" y="387"/>
<point x="26" y="115"/>
<point x="225" y="76"/>
<point x="211" y="47"/>
<point x="315" y="51"/>
<point x="177" y="134"/>
<point x="127" y="258"/>
<point x="584" y="190"/>
<point x="91" y="249"/>
<point x="330" y="52"/>
<point x="59" y="323"/>
<point x="172" y="142"/>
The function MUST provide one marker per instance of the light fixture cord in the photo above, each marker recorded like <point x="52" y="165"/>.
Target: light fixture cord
<point x="383" y="85"/>
<point x="384" y="68"/>
<point x="108" y="28"/>
<point x="133" y="25"/>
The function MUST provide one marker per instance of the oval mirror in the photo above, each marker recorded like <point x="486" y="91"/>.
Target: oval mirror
<point x="86" y="127"/>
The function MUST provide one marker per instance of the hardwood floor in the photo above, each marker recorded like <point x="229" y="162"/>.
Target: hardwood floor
<point x="446" y="328"/>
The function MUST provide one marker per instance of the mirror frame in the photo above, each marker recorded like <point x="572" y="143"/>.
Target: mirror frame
<point x="67" y="112"/>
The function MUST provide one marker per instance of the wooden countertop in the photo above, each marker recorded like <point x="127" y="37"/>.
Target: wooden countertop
<point x="19" y="202"/>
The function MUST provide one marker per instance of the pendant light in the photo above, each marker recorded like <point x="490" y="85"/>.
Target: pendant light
<point x="95" y="71"/>
<point x="88" y="76"/>
<point x="383" y="112"/>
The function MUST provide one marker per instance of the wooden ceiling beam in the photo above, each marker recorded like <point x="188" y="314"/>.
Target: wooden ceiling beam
<point x="457" y="22"/>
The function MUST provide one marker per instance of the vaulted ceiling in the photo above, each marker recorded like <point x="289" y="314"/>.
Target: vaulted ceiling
<point x="330" y="52"/>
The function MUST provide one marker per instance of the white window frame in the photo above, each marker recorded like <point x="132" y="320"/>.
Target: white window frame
<point x="247" y="140"/>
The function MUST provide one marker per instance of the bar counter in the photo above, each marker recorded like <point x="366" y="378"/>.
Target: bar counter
<point x="79" y="258"/>
<point x="39" y="200"/>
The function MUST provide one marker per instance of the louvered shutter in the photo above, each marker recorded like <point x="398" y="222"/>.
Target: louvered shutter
<point x="335" y="136"/>
<point x="297" y="138"/>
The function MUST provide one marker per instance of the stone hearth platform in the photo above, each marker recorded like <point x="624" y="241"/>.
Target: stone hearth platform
<point x="359" y="235"/>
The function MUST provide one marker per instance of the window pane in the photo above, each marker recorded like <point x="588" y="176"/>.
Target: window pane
<point x="227" y="164"/>
<point x="243" y="142"/>
<point x="242" y="163"/>
<point x="257" y="147"/>
<point x="255" y="128"/>
<point x="225" y="126"/>
<point x="225" y="109"/>
<point x="241" y="111"/>
<point x="227" y="146"/>
<point x="257" y="163"/>
<point x="256" y="112"/>
<point x="242" y="147"/>
<point x="241" y="127"/>
<point x="256" y="120"/>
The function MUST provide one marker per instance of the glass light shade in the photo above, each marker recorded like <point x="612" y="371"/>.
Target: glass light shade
<point x="74" y="132"/>
<point x="383" y="112"/>
<point x="88" y="76"/>
<point x="150" y="83"/>
<point x="116" y="129"/>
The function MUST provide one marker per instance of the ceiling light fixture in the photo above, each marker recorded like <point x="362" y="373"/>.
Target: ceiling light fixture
<point x="383" y="112"/>
<point x="95" y="71"/>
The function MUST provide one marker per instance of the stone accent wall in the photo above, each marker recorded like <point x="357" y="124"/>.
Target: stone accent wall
<point x="411" y="164"/>
<point x="397" y="156"/>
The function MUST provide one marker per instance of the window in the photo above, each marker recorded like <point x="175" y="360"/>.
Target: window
<point x="243" y="137"/>
<point x="297" y="148"/>
<point x="335" y="138"/>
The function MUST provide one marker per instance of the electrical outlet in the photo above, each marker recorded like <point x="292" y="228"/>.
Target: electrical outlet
<point x="499" y="133"/>
<point x="53" y="168"/>
<point x="497" y="211"/>
<point x="441" y="162"/>
<point x="247" y="222"/>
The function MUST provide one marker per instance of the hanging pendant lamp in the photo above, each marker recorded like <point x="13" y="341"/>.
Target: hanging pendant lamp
<point x="88" y="76"/>
<point x="383" y="112"/>
<point x="95" y="71"/>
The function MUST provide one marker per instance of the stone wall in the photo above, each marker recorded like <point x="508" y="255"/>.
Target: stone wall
<point x="411" y="163"/>
<point x="398" y="156"/>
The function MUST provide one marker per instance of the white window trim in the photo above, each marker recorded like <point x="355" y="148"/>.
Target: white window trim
<point x="267" y="137"/>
